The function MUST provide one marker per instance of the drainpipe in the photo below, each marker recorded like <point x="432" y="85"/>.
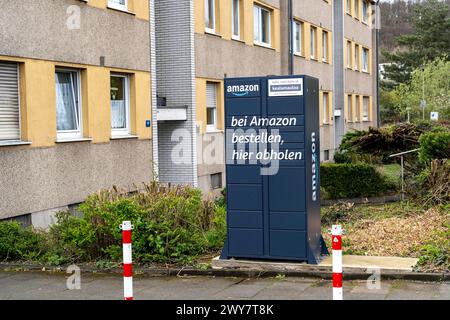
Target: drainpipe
<point x="377" y="59"/>
<point x="291" y="37"/>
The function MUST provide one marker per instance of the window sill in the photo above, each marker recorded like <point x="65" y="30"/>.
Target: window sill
<point x="238" y="40"/>
<point x="212" y="33"/>
<point x="124" y="137"/>
<point x="69" y="140"/>
<point x="214" y="131"/>
<point x="14" y="143"/>
<point x="263" y="45"/>
<point x="121" y="10"/>
<point x="296" y="54"/>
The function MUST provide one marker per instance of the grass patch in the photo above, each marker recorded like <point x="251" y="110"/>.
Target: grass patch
<point x="392" y="172"/>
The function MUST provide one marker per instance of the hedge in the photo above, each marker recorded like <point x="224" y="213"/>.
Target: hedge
<point x="348" y="180"/>
<point x="434" y="145"/>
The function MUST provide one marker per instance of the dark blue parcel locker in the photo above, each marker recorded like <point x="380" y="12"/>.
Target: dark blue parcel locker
<point x="273" y="216"/>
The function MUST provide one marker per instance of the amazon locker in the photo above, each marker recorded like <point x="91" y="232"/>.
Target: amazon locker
<point x="272" y="168"/>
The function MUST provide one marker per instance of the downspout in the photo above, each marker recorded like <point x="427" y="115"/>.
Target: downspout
<point x="377" y="59"/>
<point x="154" y="106"/>
<point x="291" y="37"/>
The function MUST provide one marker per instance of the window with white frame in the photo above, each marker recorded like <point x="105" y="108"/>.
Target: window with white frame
<point x="9" y="102"/>
<point x="297" y="31"/>
<point x="68" y="104"/>
<point x="349" y="7"/>
<point x="118" y="4"/>
<point x="350" y="107"/>
<point x="365" y="11"/>
<point x="357" y="109"/>
<point x="236" y="17"/>
<point x="326" y="107"/>
<point x="365" y="59"/>
<point x="365" y="114"/>
<point x="313" y="42"/>
<point x="210" y="15"/>
<point x="324" y="46"/>
<point x="261" y="25"/>
<point x="356" y="58"/>
<point x="356" y="9"/>
<point x="120" y="105"/>
<point x="349" y="54"/>
<point x="211" y="106"/>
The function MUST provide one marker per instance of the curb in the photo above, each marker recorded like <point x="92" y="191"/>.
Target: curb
<point x="237" y="273"/>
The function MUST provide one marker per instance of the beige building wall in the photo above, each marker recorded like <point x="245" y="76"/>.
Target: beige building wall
<point x="41" y="172"/>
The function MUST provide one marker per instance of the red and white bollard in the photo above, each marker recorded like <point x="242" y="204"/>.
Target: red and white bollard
<point x="336" y="240"/>
<point x="127" y="261"/>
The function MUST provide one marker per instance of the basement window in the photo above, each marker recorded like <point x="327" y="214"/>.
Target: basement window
<point x="216" y="180"/>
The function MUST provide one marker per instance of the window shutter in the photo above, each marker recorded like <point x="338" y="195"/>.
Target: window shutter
<point x="211" y="97"/>
<point x="9" y="101"/>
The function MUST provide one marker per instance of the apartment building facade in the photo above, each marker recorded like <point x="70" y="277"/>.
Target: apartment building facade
<point x="75" y="102"/>
<point x="96" y="93"/>
<point x="201" y="42"/>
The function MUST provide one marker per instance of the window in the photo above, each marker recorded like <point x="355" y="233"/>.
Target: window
<point x="326" y="107"/>
<point x="366" y="101"/>
<point x="236" y="23"/>
<point x="9" y="102"/>
<point x="324" y="46"/>
<point x="357" y="9"/>
<point x="211" y="106"/>
<point x="68" y="104"/>
<point x="365" y="11"/>
<point x="357" y="109"/>
<point x="297" y="37"/>
<point x="326" y="155"/>
<point x="118" y="4"/>
<point x="350" y="108"/>
<point x="356" y="58"/>
<point x="261" y="26"/>
<point x="349" y="7"/>
<point x="120" y="105"/>
<point x="349" y="54"/>
<point x="210" y="16"/>
<point x="313" y="42"/>
<point x="365" y="60"/>
<point x="216" y="180"/>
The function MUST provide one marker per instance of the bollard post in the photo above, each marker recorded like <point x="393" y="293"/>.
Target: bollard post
<point x="336" y="240"/>
<point x="127" y="261"/>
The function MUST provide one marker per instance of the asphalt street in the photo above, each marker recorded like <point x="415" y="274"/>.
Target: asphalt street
<point x="48" y="286"/>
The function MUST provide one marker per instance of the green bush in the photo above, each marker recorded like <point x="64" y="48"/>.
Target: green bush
<point x="171" y="224"/>
<point x="342" y="157"/>
<point x="352" y="180"/>
<point x="435" y="254"/>
<point x="18" y="243"/>
<point x="434" y="145"/>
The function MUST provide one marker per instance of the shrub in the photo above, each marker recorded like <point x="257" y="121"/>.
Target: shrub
<point x="432" y="185"/>
<point x="342" y="157"/>
<point x="434" y="145"/>
<point x="352" y="180"/>
<point x="18" y="243"/>
<point x="435" y="254"/>
<point x="171" y="224"/>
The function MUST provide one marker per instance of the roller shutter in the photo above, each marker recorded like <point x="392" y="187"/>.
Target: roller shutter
<point x="9" y="101"/>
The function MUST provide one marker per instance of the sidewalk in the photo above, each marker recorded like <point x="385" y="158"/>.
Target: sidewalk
<point x="47" y="286"/>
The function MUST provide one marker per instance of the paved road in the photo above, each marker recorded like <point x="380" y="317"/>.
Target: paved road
<point x="37" y="286"/>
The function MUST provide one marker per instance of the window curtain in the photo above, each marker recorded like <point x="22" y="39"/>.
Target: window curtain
<point x="118" y="114"/>
<point x="66" y="109"/>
